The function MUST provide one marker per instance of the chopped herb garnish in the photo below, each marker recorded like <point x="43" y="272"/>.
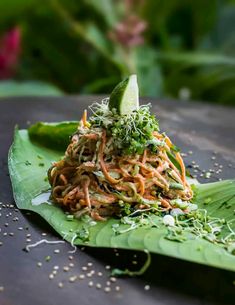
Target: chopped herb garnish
<point x="133" y="133"/>
<point x="27" y="163"/>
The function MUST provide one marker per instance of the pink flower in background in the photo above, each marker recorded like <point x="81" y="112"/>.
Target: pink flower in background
<point x="9" y="52"/>
<point x="129" y="32"/>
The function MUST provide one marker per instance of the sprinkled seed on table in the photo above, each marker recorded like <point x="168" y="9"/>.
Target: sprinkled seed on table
<point x="56" y="267"/>
<point x="39" y="264"/>
<point x="73" y="278"/>
<point x="89" y="264"/>
<point x="1" y="288"/>
<point x="6" y="224"/>
<point x="117" y="254"/>
<point x="28" y="235"/>
<point x="5" y="234"/>
<point x="44" y="234"/>
<point x="89" y="274"/>
<point x="107" y="267"/>
<point x="56" y="251"/>
<point x="20" y="228"/>
<point x="66" y="268"/>
<point x="90" y="284"/>
<point x="51" y="276"/>
<point x="98" y="286"/>
<point x="108" y="283"/>
<point x="71" y="265"/>
<point x="146" y="287"/>
<point x="11" y="234"/>
<point x="81" y="276"/>
<point x="99" y="273"/>
<point x="117" y="288"/>
<point x="28" y="240"/>
<point x="113" y="279"/>
<point x="54" y="272"/>
<point x="71" y="257"/>
<point x="84" y="268"/>
<point x="60" y="285"/>
<point x="107" y="289"/>
<point x="1" y="243"/>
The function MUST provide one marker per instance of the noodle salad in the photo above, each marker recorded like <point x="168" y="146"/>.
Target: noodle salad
<point x="116" y="165"/>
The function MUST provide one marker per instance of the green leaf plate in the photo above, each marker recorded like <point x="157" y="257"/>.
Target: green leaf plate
<point x="28" y="164"/>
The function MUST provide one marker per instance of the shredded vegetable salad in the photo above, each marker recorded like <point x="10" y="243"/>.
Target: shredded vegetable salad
<point x="116" y="165"/>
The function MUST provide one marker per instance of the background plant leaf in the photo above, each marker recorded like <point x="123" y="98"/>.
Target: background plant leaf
<point x="28" y="88"/>
<point x="28" y="164"/>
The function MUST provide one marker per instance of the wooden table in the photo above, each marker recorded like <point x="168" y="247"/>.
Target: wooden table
<point x="204" y="132"/>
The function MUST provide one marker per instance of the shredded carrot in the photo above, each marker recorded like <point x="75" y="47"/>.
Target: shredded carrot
<point x="141" y="184"/>
<point x="144" y="156"/>
<point x="102" y="163"/>
<point x="84" y="118"/>
<point x="182" y="166"/>
<point x="86" y="192"/>
<point x="63" y="178"/>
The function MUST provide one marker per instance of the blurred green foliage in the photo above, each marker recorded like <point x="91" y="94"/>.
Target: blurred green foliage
<point x="187" y="49"/>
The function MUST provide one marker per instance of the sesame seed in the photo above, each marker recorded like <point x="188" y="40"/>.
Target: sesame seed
<point x="90" y="264"/>
<point x="71" y="257"/>
<point x="1" y="288"/>
<point x="84" y="268"/>
<point x="5" y="234"/>
<point x="6" y="224"/>
<point x="99" y="273"/>
<point x="54" y="272"/>
<point x="71" y="265"/>
<point x="51" y="276"/>
<point x="56" y="251"/>
<point x="39" y="264"/>
<point x="113" y="279"/>
<point x="146" y="287"/>
<point x="66" y="268"/>
<point x="108" y="283"/>
<point x="81" y="276"/>
<point x="56" y="267"/>
<point x="107" y="267"/>
<point x="107" y="289"/>
<point x="20" y="228"/>
<point x="11" y="234"/>
<point x="98" y="286"/>
<point x="117" y="288"/>
<point x="89" y="274"/>
<point x="60" y="285"/>
<point x="44" y="234"/>
<point x="90" y="284"/>
<point x="73" y="278"/>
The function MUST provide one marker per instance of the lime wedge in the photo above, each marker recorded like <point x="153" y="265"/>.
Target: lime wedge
<point x="125" y="96"/>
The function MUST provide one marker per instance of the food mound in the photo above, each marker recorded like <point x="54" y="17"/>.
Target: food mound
<point x="117" y="165"/>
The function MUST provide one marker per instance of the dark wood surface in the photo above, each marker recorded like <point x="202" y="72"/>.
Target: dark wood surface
<point x="204" y="132"/>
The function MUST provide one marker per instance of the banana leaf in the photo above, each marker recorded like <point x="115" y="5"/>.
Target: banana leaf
<point x="28" y="164"/>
